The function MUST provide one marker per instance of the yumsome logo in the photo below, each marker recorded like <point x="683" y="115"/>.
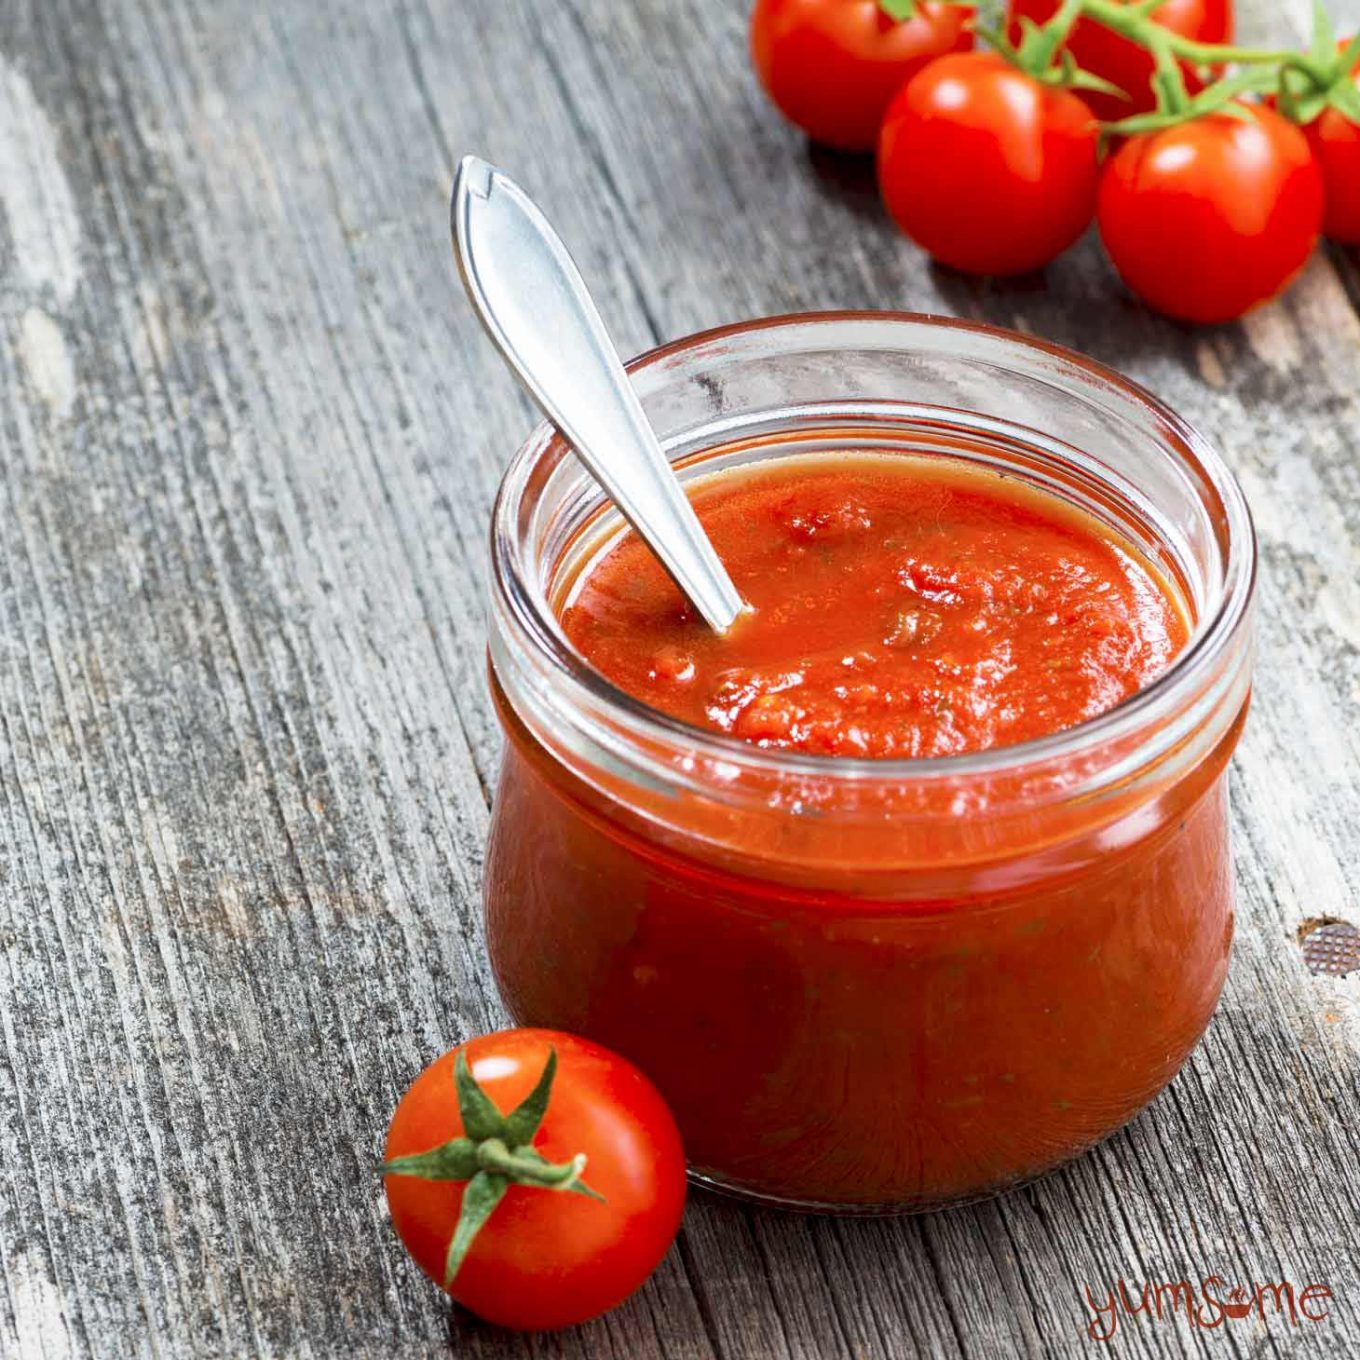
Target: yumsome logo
<point x="1214" y="1304"/>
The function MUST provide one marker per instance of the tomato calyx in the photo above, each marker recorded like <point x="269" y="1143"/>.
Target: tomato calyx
<point x="1327" y="80"/>
<point x="1040" y="53"/>
<point x="495" y="1152"/>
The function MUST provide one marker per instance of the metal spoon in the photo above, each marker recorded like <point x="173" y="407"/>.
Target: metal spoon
<point x="534" y="304"/>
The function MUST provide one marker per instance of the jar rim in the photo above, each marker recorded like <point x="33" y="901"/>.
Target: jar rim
<point x="1212" y="636"/>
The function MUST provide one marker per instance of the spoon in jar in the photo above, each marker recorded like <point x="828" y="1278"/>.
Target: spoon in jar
<point x="535" y="306"/>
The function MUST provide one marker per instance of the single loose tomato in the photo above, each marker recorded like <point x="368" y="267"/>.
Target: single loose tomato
<point x="1206" y="219"/>
<point x="832" y="66"/>
<point x="561" y="1160"/>
<point x="989" y="170"/>
<point x="1125" y="63"/>
<point x="1335" y="140"/>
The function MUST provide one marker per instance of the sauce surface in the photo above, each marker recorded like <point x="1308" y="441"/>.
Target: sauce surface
<point x="903" y="607"/>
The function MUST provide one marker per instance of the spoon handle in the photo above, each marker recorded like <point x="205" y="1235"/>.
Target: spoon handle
<point x="533" y="302"/>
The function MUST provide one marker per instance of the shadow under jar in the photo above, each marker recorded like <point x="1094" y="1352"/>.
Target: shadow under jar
<point x="875" y="986"/>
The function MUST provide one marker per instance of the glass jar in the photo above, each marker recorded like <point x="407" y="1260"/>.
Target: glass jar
<point x="875" y="985"/>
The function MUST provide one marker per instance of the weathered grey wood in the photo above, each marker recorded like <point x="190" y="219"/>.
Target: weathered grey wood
<point x="249" y="435"/>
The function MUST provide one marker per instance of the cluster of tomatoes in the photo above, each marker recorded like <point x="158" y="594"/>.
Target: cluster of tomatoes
<point x="995" y="162"/>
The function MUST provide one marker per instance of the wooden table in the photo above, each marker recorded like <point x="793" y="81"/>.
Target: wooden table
<point x="249" y="438"/>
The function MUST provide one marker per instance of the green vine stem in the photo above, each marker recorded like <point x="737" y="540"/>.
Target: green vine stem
<point x="1137" y="23"/>
<point x="1322" y="75"/>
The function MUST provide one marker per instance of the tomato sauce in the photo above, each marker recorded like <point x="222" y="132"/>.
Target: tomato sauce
<point x="889" y="997"/>
<point x="900" y="609"/>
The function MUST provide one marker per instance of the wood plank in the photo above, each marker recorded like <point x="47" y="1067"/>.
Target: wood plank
<point x="248" y="444"/>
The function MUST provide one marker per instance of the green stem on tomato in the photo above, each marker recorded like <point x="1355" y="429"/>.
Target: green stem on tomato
<point x="1167" y="79"/>
<point x="1043" y="43"/>
<point x="493" y="1155"/>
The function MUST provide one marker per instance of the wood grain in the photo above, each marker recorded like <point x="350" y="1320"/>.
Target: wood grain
<point x="249" y="438"/>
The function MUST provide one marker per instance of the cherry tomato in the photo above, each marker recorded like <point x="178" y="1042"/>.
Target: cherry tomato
<point x="1122" y="62"/>
<point x="544" y="1258"/>
<point x="989" y="170"/>
<point x="832" y="66"/>
<point x="1208" y="218"/>
<point x="1336" y="145"/>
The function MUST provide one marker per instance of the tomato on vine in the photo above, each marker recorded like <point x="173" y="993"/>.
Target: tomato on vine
<point x="535" y="1176"/>
<point x="1208" y="217"/>
<point x="989" y="160"/>
<point x="832" y="66"/>
<point x="1125" y="63"/>
<point x="1335" y="139"/>
<point x="1325" y="102"/>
